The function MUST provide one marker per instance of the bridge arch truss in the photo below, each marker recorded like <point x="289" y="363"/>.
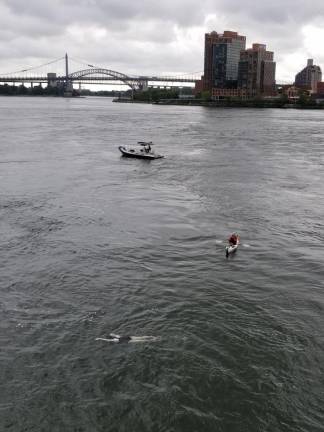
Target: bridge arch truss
<point x="133" y="83"/>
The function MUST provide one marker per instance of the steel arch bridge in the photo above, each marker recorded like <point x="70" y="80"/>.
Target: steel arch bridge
<point x="92" y="75"/>
<point x="133" y="83"/>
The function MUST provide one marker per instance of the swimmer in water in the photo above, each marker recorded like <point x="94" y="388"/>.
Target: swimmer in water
<point x="126" y="339"/>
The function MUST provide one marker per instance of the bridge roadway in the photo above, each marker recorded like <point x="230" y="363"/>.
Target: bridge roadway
<point x="93" y="79"/>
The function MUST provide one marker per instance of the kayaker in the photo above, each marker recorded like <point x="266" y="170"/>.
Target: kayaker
<point x="233" y="239"/>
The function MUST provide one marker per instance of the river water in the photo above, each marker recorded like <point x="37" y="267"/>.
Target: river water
<point x="93" y="243"/>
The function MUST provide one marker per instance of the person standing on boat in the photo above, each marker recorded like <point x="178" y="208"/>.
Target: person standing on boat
<point x="233" y="239"/>
<point x="148" y="148"/>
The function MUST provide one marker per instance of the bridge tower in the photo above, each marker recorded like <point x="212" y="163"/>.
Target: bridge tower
<point x="51" y="79"/>
<point x="144" y="85"/>
<point x="66" y="66"/>
<point x="68" y="88"/>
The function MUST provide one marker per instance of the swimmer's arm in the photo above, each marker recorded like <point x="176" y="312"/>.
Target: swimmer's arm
<point x="114" y="335"/>
<point x="108" y="340"/>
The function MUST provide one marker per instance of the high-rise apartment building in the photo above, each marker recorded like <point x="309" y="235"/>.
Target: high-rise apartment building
<point x="309" y="76"/>
<point x="257" y="71"/>
<point x="222" y="56"/>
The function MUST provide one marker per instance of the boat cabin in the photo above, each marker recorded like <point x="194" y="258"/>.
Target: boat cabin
<point x="146" y="146"/>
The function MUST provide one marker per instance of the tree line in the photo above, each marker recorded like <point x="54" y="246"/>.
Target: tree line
<point x="36" y="90"/>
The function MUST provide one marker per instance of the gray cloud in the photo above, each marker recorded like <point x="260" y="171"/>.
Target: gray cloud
<point x="154" y="36"/>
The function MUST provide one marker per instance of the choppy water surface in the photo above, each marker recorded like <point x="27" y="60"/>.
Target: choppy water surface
<point x="92" y="243"/>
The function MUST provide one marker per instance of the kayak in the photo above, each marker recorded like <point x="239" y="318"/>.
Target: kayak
<point x="230" y="249"/>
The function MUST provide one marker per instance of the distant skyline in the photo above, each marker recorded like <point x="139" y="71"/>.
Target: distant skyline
<point x="155" y="37"/>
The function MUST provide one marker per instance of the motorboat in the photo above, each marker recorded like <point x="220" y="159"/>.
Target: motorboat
<point x="143" y="151"/>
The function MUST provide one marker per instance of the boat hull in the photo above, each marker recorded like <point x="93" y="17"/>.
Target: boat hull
<point x="231" y="249"/>
<point x="138" y="154"/>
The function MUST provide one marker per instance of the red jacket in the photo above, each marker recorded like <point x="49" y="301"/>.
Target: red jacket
<point x="233" y="239"/>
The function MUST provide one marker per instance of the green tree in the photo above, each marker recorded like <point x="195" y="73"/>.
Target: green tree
<point x="305" y="101"/>
<point x="206" y="96"/>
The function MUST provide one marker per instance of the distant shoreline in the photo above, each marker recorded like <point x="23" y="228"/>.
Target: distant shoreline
<point x="223" y="104"/>
<point x="187" y="102"/>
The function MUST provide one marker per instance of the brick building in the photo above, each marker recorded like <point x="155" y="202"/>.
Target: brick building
<point x="309" y="76"/>
<point x="222" y="55"/>
<point x="257" y="71"/>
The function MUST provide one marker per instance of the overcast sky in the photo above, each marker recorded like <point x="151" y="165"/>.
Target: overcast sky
<point x="156" y="37"/>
